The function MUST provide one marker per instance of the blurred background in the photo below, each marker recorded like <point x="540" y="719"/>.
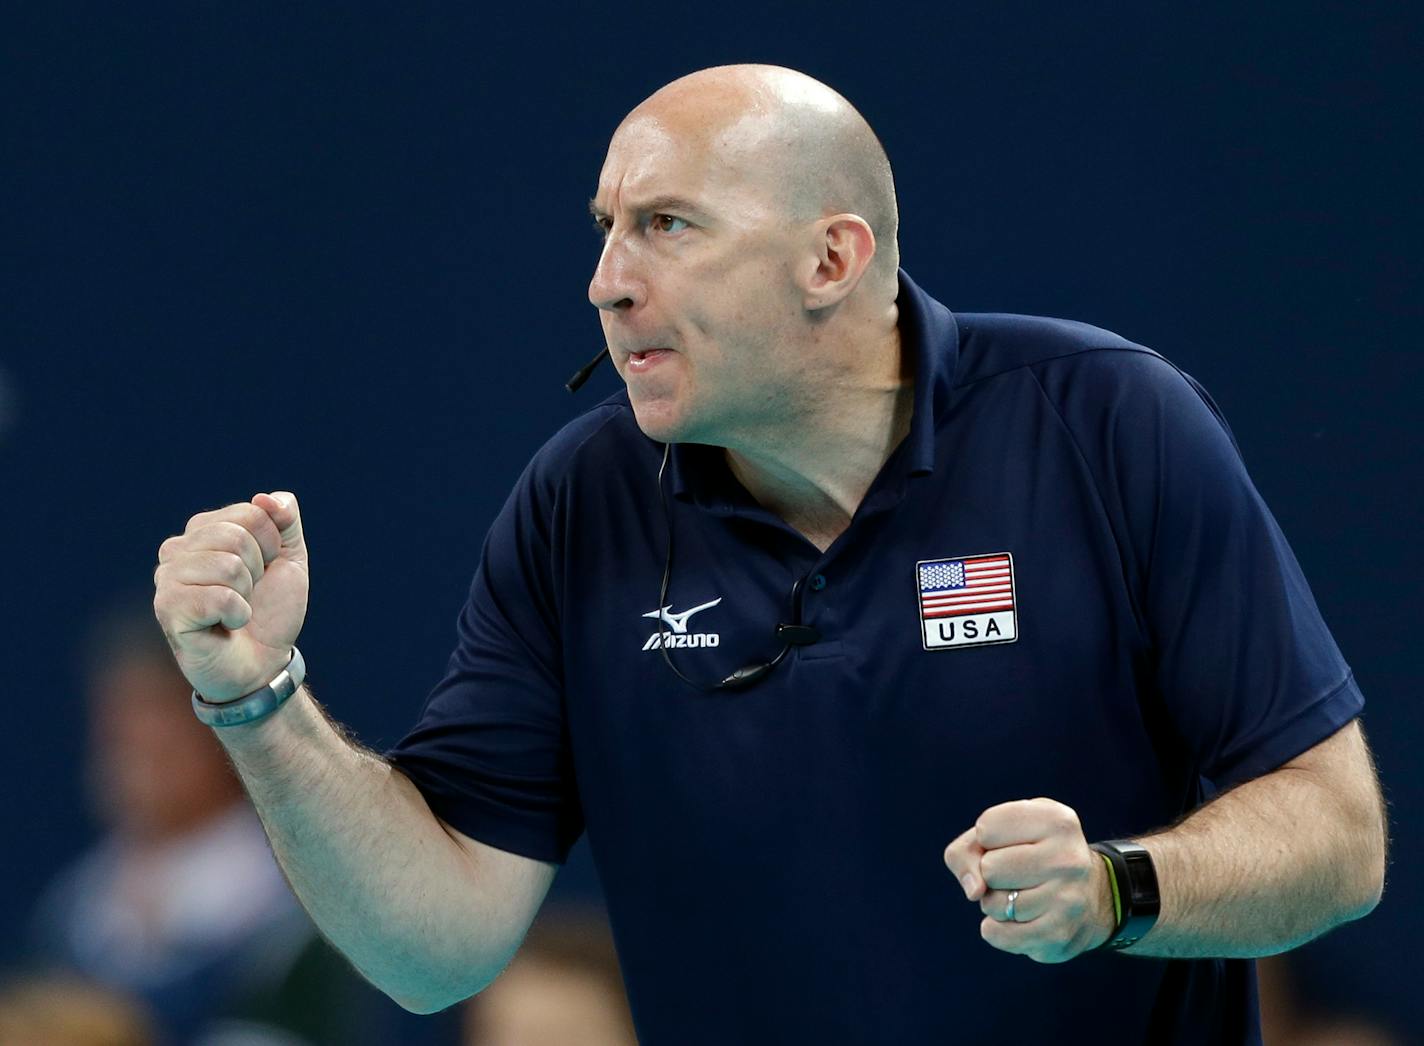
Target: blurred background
<point x="345" y="252"/>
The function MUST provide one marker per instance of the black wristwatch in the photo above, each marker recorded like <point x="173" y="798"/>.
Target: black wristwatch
<point x="1133" y="880"/>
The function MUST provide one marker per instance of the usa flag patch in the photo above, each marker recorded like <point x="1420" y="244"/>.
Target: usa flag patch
<point x="967" y="601"/>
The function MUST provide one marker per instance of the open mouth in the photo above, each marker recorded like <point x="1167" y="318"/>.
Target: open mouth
<point x="647" y="358"/>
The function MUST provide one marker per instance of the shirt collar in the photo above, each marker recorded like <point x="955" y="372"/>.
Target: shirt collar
<point x="929" y="333"/>
<point x="930" y="336"/>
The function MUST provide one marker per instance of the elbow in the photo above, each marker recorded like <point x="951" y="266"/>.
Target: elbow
<point x="432" y="997"/>
<point x="1374" y="891"/>
<point x="420" y="1006"/>
<point x="1379" y="863"/>
<point x="426" y="1003"/>
<point x="1371" y="877"/>
<point x="1365" y="899"/>
<point x="1363" y="906"/>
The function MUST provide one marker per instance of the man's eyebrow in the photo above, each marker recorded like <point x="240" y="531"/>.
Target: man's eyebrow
<point x="655" y="205"/>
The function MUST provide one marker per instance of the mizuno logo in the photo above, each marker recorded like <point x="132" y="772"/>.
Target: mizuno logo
<point x="680" y="637"/>
<point x="678" y="622"/>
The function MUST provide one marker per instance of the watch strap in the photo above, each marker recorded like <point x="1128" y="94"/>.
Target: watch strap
<point x="262" y="702"/>
<point x="1136" y="899"/>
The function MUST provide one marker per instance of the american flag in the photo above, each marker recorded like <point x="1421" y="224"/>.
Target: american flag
<point x="975" y="585"/>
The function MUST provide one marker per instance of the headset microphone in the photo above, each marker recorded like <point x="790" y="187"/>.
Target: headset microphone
<point x="581" y="375"/>
<point x="791" y="635"/>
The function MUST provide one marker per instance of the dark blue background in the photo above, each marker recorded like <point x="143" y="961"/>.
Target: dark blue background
<point x="346" y="253"/>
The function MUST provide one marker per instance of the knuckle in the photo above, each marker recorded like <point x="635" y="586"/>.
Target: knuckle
<point x="230" y="536"/>
<point x="234" y="570"/>
<point x="170" y="607"/>
<point x="1055" y="807"/>
<point x="213" y="600"/>
<point x="252" y="517"/>
<point x="230" y="605"/>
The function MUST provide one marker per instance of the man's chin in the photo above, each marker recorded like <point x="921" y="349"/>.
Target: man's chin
<point x="661" y="420"/>
<point x="661" y="429"/>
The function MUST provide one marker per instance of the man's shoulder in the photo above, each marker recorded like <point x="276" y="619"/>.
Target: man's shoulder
<point x="1091" y="376"/>
<point x="995" y="343"/>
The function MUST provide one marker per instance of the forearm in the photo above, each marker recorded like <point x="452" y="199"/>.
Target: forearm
<point x="374" y="868"/>
<point x="1265" y="867"/>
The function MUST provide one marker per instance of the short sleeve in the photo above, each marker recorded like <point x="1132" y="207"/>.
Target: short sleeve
<point x="490" y="752"/>
<point x="1239" y="653"/>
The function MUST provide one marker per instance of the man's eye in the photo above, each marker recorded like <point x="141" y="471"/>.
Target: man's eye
<point x="668" y="223"/>
<point x="602" y="226"/>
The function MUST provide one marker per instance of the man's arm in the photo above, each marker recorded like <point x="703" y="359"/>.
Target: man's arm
<point x="1261" y="868"/>
<point x="430" y="916"/>
<point x="1275" y="861"/>
<point x="427" y="914"/>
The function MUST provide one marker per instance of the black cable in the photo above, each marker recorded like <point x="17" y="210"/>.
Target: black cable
<point x="792" y="635"/>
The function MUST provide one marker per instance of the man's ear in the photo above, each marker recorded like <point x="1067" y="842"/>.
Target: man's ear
<point x="843" y="247"/>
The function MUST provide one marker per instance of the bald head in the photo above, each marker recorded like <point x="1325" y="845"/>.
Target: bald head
<point x="809" y="147"/>
<point x="748" y="255"/>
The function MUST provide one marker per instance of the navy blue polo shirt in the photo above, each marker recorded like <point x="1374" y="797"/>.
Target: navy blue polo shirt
<point x="1062" y="583"/>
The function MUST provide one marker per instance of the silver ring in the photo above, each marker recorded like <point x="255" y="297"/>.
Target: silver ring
<point x="1009" y="908"/>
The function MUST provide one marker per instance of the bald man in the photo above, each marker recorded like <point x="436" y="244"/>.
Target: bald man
<point x="841" y="631"/>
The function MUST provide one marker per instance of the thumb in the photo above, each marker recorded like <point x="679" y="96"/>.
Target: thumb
<point x="282" y="506"/>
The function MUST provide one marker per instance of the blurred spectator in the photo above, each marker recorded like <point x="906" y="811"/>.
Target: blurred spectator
<point x="60" y="1011"/>
<point x="180" y="903"/>
<point x="563" y="988"/>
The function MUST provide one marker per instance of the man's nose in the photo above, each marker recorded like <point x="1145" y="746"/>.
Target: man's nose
<point x="615" y="286"/>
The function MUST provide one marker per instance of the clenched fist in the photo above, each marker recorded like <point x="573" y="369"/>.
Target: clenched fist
<point x="1036" y="850"/>
<point x="231" y="594"/>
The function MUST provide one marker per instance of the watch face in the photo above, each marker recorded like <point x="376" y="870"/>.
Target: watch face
<point x="1142" y="880"/>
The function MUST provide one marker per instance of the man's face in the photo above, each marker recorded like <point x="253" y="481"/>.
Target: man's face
<point x="695" y="283"/>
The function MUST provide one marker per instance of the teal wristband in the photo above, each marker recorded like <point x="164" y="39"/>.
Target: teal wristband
<point x="251" y="707"/>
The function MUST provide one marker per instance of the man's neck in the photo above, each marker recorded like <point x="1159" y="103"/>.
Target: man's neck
<point x="815" y="470"/>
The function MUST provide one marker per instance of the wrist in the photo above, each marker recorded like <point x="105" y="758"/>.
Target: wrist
<point x="257" y="704"/>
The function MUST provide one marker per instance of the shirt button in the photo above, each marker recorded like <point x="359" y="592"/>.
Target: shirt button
<point x="818" y="582"/>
